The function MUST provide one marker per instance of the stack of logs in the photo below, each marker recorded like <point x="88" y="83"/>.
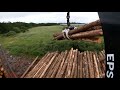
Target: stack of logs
<point x="69" y="64"/>
<point x="88" y="32"/>
<point x="1" y="70"/>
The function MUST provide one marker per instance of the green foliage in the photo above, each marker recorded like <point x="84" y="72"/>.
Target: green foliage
<point x="10" y="33"/>
<point x="20" y="26"/>
<point x="16" y="29"/>
<point x="41" y="48"/>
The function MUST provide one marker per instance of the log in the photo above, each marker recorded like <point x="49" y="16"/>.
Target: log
<point x="56" y="34"/>
<point x="80" y="64"/>
<point x="43" y="65"/>
<point x="29" y="67"/>
<point x="83" y="66"/>
<point x="69" y="65"/>
<point x="76" y="65"/>
<point x="99" y="66"/>
<point x="82" y="28"/>
<point x="95" y="28"/>
<point x="62" y="64"/>
<point x="104" y="67"/>
<point x="90" y="39"/>
<point x="48" y="65"/>
<point x="97" y="75"/>
<point x="50" y="70"/>
<point x="92" y="65"/>
<point x="74" y="70"/>
<point x="90" y="68"/>
<point x="62" y="71"/>
<point x="87" y="34"/>
<point x="39" y="65"/>
<point x="56" y="68"/>
<point x="101" y="57"/>
<point x="86" y="65"/>
<point x="32" y="72"/>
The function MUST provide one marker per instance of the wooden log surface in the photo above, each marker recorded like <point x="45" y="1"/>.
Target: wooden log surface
<point x="48" y="65"/>
<point x="50" y="70"/>
<point x="74" y="69"/>
<point x="97" y="75"/>
<point x="82" y="28"/>
<point x="43" y="65"/>
<point x="95" y="28"/>
<point x="32" y="72"/>
<point x="62" y="65"/>
<point x="90" y="65"/>
<point x="92" y="28"/>
<point x="57" y="66"/>
<point x="69" y="64"/>
<point x="87" y="34"/>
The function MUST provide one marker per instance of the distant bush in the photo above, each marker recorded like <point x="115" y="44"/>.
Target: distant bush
<point x="16" y="29"/>
<point x="10" y="33"/>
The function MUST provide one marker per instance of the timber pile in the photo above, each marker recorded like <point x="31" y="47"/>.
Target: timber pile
<point x="89" y="32"/>
<point x="2" y="72"/>
<point x="69" y="64"/>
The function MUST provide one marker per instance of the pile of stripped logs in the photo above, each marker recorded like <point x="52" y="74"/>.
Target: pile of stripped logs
<point x="68" y="64"/>
<point x="88" y="32"/>
<point x="2" y="72"/>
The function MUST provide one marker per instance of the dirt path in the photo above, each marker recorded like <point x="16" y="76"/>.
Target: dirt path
<point x="18" y="64"/>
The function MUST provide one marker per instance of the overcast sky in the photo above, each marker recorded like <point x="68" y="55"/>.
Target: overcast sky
<point x="46" y="17"/>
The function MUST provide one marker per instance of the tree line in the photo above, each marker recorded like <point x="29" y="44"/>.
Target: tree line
<point x="9" y="28"/>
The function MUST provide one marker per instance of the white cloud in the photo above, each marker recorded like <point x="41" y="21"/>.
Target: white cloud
<point x="42" y="17"/>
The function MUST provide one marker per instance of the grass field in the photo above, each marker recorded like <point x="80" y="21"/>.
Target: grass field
<point x="39" y="40"/>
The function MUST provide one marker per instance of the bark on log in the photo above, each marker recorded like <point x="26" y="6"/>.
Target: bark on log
<point x="41" y="66"/>
<point x="87" y="34"/>
<point x="80" y="65"/>
<point x="32" y="72"/>
<point x="69" y="65"/>
<point x="56" y="34"/>
<point x="74" y="69"/>
<point x="96" y="67"/>
<point x="50" y="70"/>
<point x="92" y="28"/>
<point x="56" y="68"/>
<point x="86" y="65"/>
<point x="48" y="65"/>
<point x="89" y="65"/>
<point x="95" y="28"/>
<point x="62" y="64"/>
